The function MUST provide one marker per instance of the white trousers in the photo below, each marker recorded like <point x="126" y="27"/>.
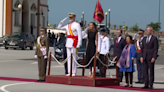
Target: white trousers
<point x="74" y="66"/>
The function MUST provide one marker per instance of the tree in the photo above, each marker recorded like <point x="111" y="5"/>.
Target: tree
<point x="134" y="28"/>
<point x="155" y="26"/>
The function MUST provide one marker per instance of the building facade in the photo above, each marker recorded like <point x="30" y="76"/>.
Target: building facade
<point x="23" y="16"/>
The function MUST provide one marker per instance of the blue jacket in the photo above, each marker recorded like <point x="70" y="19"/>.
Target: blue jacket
<point x="132" y="67"/>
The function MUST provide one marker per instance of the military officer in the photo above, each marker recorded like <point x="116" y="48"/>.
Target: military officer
<point x="103" y="49"/>
<point x="41" y="53"/>
<point x="140" y="67"/>
<point x="74" y="40"/>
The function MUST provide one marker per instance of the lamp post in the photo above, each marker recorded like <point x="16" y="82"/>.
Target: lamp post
<point x="109" y="16"/>
<point x="19" y="7"/>
<point x="106" y="19"/>
<point x="81" y="18"/>
<point x="40" y="13"/>
<point x="83" y="15"/>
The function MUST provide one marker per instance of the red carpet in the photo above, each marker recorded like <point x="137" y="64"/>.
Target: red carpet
<point x="111" y="87"/>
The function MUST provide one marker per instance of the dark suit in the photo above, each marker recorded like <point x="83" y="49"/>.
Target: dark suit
<point x="59" y="41"/>
<point x="148" y="51"/>
<point x="117" y="52"/>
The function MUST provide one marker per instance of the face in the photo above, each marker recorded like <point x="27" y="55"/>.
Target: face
<point x="141" y="34"/>
<point x="119" y="33"/>
<point x="58" y="34"/>
<point x="91" y="26"/>
<point x="71" y="19"/>
<point x="128" y="40"/>
<point x="149" y="31"/>
<point x="102" y="33"/>
<point x="42" y="32"/>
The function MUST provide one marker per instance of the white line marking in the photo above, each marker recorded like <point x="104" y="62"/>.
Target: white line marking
<point x="3" y="87"/>
<point x="58" y="66"/>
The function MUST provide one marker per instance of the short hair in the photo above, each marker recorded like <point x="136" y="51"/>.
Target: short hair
<point x="150" y="28"/>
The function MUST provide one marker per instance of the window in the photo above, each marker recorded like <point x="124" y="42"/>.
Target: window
<point x="16" y="17"/>
<point x="33" y="20"/>
<point x="43" y="21"/>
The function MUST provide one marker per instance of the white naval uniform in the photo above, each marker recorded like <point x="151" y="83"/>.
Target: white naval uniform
<point x="103" y="44"/>
<point x="76" y="30"/>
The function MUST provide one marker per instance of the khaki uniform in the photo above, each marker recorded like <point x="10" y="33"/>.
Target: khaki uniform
<point x="42" y="63"/>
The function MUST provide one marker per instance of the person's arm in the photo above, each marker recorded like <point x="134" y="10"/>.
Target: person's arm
<point x="79" y="36"/>
<point x="142" y="47"/>
<point x="114" y="49"/>
<point x="133" y="48"/>
<point x="36" y="51"/>
<point x="97" y="42"/>
<point x="107" y="45"/>
<point x="47" y="46"/>
<point x="84" y="35"/>
<point x="155" y="54"/>
<point x="60" y="26"/>
<point x="87" y="43"/>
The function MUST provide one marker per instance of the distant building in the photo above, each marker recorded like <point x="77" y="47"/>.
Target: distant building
<point x="23" y="16"/>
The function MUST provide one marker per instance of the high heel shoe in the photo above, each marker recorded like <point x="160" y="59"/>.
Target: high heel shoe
<point x="130" y="86"/>
<point x="126" y="85"/>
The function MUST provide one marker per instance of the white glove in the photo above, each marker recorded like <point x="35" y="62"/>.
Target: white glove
<point x="135" y="36"/>
<point x="78" y="46"/>
<point x="35" y="56"/>
<point x="45" y="57"/>
<point x="64" y="20"/>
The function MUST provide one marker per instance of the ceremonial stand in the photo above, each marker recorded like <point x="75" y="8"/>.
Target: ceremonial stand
<point x="80" y="80"/>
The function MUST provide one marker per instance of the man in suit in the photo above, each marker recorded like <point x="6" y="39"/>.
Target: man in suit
<point x="64" y="56"/>
<point x="41" y="54"/>
<point x="119" y="44"/>
<point x="59" y="39"/>
<point x="149" y="53"/>
<point x="140" y="68"/>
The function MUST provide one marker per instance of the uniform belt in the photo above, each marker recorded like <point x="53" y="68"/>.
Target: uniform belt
<point x="75" y="39"/>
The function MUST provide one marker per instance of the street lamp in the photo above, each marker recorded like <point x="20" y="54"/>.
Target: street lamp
<point x="83" y="15"/>
<point x="159" y="20"/>
<point x="106" y="19"/>
<point x="109" y="16"/>
<point x="19" y="8"/>
<point x="81" y="18"/>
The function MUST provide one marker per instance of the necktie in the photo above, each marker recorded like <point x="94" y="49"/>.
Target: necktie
<point x="117" y="42"/>
<point x="147" y="40"/>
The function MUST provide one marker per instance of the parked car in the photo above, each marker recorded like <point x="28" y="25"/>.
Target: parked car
<point x="2" y="39"/>
<point x="20" y="40"/>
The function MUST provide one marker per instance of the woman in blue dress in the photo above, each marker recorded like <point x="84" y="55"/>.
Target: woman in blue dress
<point x="126" y="63"/>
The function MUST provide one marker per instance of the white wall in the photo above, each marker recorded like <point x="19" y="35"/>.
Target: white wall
<point x="2" y="17"/>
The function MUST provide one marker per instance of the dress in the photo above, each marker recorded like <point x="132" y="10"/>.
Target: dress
<point x="91" y="48"/>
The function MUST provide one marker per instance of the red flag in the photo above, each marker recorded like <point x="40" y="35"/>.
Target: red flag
<point x="98" y="14"/>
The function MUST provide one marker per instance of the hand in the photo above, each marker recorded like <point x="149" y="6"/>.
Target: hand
<point x="141" y="59"/>
<point x="97" y="51"/>
<point x="64" y="19"/>
<point x="35" y="56"/>
<point x="45" y="57"/>
<point x="77" y="46"/>
<point x="132" y="58"/>
<point x="62" y="56"/>
<point x="152" y="60"/>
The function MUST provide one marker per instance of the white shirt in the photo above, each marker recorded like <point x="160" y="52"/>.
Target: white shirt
<point x="148" y="39"/>
<point x="76" y="30"/>
<point x="103" y="44"/>
<point x="119" y="38"/>
<point x="58" y="39"/>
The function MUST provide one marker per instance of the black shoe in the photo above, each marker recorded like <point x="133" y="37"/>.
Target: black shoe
<point x="39" y="80"/>
<point x="126" y="86"/>
<point x="42" y="80"/>
<point x="145" y="87"/>
<point x="141" y="82"/>
<point x="151" y="88"/>
<point x="137" y="82"/>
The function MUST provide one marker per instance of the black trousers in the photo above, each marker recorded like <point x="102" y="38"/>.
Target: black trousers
<point x="129" y="76"/>
<point x="148" y="72"/>
<point x="100" y="65"/>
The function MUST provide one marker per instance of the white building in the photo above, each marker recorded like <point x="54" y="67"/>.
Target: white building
<point x="23" y="16"/>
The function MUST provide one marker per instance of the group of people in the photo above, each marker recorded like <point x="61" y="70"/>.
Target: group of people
<point x="144" y="49"/>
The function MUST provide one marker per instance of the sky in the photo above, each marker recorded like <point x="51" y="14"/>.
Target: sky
<point x="141" y="12"/>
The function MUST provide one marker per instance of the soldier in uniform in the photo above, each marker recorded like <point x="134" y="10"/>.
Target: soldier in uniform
<point x="73" y="41"/>
<point x="41" y="53"/>
<point x="140" y="68"/>
<point x="103" y="49"/>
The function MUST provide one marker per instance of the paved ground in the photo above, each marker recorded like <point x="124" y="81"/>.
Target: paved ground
<point x="21" y="64"/>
